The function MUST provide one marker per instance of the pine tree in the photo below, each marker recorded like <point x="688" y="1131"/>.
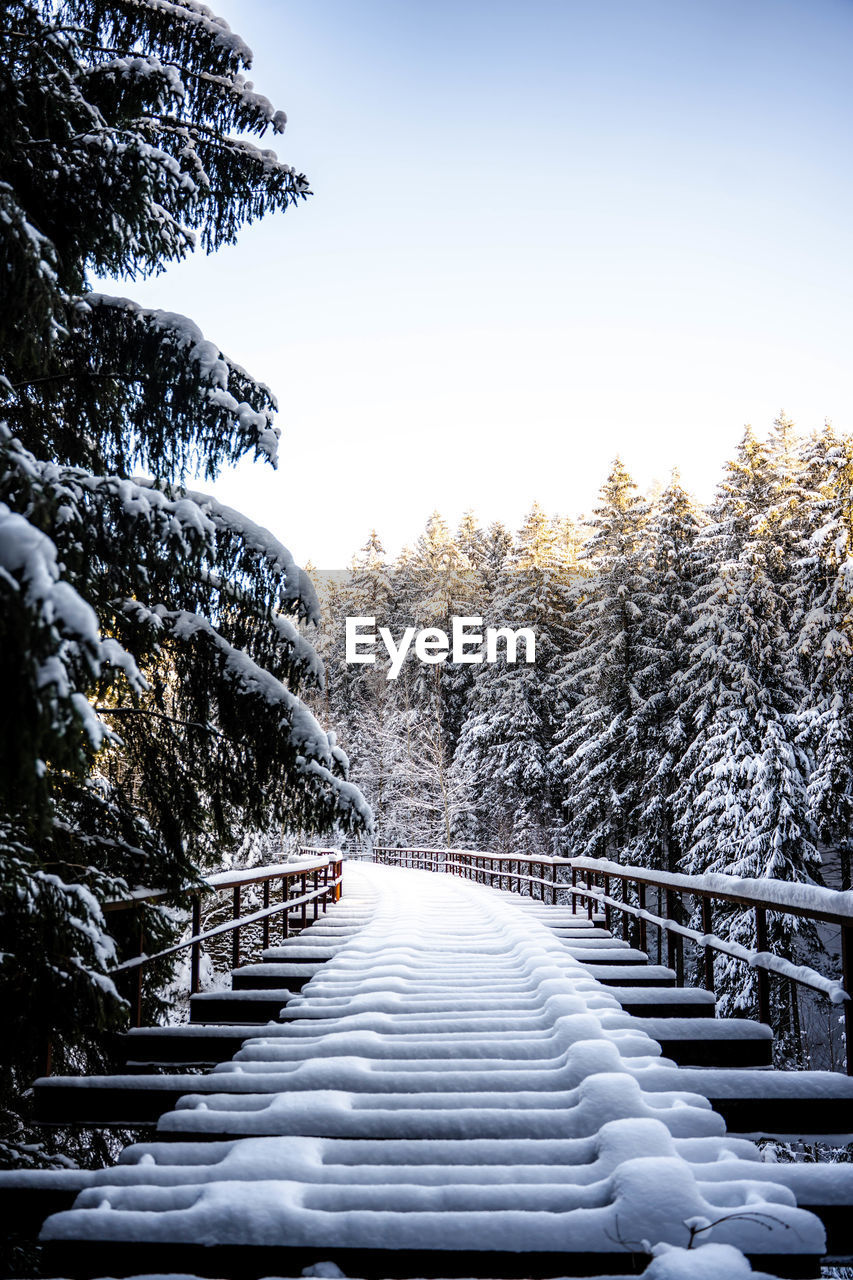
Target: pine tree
<point x="743" y="792"/>
<point x="659" y="729"/>
<point x="150" y="653"/>
<point x="501" y="760"/>
<point x="596" y="754"/>
<point x="824" y="640"/>
<point x="359" y="698"/>
<point x="434" y="584"/>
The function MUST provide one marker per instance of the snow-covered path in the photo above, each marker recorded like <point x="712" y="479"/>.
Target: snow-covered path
<point x="452" y="1079"/>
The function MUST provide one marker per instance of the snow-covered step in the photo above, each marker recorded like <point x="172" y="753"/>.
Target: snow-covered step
<point x="224" y="1007"/>
<point x="810" y="1104"/>
<point x="275" y="977"/>
<point x="301" y="952"/>
<point x="429" y="1163"/>
<point x="662" y="1002"/>
<point x="189" y="1043"/>
<point x="595" y="953"/>
<point x="635" y="975"/>
<point x="707" y="1043"/>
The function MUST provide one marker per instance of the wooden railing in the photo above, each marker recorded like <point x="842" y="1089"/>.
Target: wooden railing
<point x="536" y="877"/>
<point x="589" y="881"/>
<point x="322" y="867"/>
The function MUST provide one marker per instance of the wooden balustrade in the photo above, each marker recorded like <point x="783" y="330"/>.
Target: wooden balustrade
<point x="324" y="866"/>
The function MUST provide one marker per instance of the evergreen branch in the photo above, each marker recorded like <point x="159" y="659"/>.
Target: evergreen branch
<point x="160" y="715"/>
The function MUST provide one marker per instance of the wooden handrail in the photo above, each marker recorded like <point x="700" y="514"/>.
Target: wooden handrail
<point x="832" y="906"/>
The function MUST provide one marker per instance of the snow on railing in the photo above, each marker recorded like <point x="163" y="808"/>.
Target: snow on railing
<point x="324" y="866"/>
<point x="516" y="872"/>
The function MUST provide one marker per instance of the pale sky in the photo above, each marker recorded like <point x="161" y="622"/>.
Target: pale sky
<point x="542" y="233"/>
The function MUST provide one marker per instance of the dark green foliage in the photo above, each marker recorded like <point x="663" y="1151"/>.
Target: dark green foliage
<point x="150" y="654"/>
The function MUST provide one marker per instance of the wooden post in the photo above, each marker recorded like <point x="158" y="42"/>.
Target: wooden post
<point x="762" y="976"/>
<point x="195" y="955"/>
<point x="266" y="920"/>
<point x="708" y="929"/>
<point x="285" y="915"/>
<point x="590" y="881"/>
<point x="846" y="978"/>
<point x="315" y="885"/>
<point x="669" y="902"/>
<point x="302" y="891"/>
<point x="235" y="933"/>
<point x="554" y="884"/>
<point x="641" y="903"/>
<point x="574" y="886"/>
<point x="606" y="882"/>
<point x="137" y="1004"/>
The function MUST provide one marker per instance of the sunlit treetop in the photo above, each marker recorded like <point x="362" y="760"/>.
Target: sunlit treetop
<point x="127" y="143"/>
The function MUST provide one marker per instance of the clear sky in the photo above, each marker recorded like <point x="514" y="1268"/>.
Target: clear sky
<point x="542" y="233"/>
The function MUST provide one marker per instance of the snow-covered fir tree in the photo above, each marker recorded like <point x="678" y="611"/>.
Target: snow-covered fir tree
<point x="660" y="732"/>
<point x="151" y="659"/>
<point x="824" y="640"/>
<point x="742" y="801"/>
<point x="436" y="583"/>
<point x="502" y="757"/>
<point x="603" y="684"/>
<point x="358" y="699"/>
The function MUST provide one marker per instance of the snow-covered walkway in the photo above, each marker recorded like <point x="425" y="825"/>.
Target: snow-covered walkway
<point x="452" y="1080"/>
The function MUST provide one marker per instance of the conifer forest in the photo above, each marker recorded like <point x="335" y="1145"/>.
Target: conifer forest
<point x="690" y="707"/>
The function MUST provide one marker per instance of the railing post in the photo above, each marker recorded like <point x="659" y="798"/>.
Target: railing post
<point x="574" y="886"/>
<point x="303" y="886"/>
<point x="762" y="976"/>
<point x="137" y="1004"/>
<point x="195" y="952"/>
<point x="266" y="921"/>
<point x="315" y="885"/>
<point x="590" y="882"/>
<point x="669" y="902"/>
<point x="846" y="978"/>
<point x="708" y="929"/>
<point x="235" y="933"/>
<point x="641" y="903"/>
<point x="553" y="884"/>
<point x="605" y="879"/>
<point x="285" y="915"/>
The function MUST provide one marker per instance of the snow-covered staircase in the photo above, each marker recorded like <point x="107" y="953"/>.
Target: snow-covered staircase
<point x="462" y="1082"/>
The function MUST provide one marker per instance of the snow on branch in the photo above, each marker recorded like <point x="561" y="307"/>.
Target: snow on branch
<point x="29" y="567"/>
<point x="205" y="20"/>
<point x="317" y="756"/>
<point x="299" y="591"/>
<point x="209" y="367"/>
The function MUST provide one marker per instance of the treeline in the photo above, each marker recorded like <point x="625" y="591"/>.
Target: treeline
<point x="690" y="706"/>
